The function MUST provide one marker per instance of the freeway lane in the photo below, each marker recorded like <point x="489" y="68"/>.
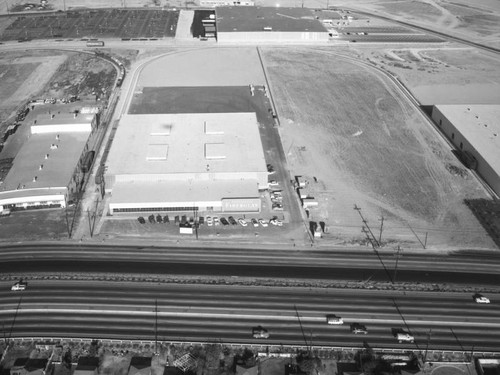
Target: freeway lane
<point x="208" y="312"/>
<point x="296" y="272"/>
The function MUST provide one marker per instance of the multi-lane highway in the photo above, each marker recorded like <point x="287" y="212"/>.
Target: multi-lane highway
<point x="54" y="305"/>
<point x="129" y="310"/>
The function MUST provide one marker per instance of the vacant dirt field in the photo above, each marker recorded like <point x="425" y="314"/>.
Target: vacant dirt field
<point x="351" y="129"/>
<point x="460" y="75"/>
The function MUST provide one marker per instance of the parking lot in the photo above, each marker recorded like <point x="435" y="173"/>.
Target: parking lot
<point x="105" y="23"/>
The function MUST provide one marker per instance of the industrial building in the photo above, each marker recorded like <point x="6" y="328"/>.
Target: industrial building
<point x="48" y="167"/>
<point x="474" y="131"/>
<point x="268" y="24"/>
<point x="185" y="163"/>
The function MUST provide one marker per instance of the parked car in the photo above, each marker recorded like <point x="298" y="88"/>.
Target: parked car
<point x="357" y="328"/>
<point x="209" y="221"/>
<point x="141" y="220"/>
<point x="166" y="219"/>
<point x="176" y="219"/>
<point x="216" y="220"/>
<point x="274" y="221"/>
<point x="201" y="220"/>
<point x="277" y="207"/>
<point x="242" y="222"/>
<point x="273" y="183"/>
<point x="260" y="333"/>
<point x="232" y="221"/>
<point x="263" y="222"/>
<point x="255" y="222"/>
<point x="151" y="218"/>
<point x="224" y="221"/>
<point x="479" y="298"/>
<point x="20" y="285"/>
<point x="159" y="219"/>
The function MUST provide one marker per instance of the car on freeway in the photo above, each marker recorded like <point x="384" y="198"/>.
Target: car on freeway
<point x="260" y="333"/>
<point x="242" y="222"/>
<point x="357" y="328"/>
<point x="232" y="221"/>
<point x="404" y="337"/>
<point x="216" y="220"/>
<point x="263" y="222"/>
<point x="20" y="285"/>
<point x="255" y="223"/>
<point x="334" y="319"/>
<point x="209" y="221"/>
<point x="479" y="298"/>
<point x="224" y="221"/>
<point x="141" y="220"/>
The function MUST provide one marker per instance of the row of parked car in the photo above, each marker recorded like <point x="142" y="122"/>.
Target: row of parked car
<point x="210" y="220"/>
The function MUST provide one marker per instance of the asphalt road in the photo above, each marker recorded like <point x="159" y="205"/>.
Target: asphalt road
<point x="463" y="269"/>
<point x="92" y="309"/>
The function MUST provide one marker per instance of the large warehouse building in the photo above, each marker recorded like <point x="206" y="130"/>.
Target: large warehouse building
<point x="268" y="24"/>
<point x="474" y="130"/>
<point x="186" y="162"/>
<point x="48" y="167"/>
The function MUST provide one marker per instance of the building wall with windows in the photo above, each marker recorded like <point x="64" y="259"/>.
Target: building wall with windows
<point x="475" y="130"/>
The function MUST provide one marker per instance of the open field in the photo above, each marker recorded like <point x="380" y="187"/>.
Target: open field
<point x="436" y="75"/>
<point x="351" y="129"/>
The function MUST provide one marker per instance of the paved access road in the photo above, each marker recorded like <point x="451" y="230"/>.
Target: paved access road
<point x="128" y="310"/>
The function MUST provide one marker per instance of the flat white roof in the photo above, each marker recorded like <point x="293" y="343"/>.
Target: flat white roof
<point x="193" y="143"/>
<point x="480" y="125"/>
<point x="44" y="162"/>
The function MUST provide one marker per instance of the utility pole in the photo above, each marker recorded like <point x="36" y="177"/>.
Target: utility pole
<point x="381" y="228"/>
<point x="396" y="267"/>
<point x="302" y="330"/>
<point x="156" y="326"/>
<point x="365" y="222"/>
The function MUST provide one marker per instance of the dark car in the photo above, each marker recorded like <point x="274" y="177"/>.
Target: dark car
<point x="201" y="220"/>
<point x="141" y="220"/>
<point x="166" y="219"/>
<point x="232" y="221"/>
<point x="183" y="219"/>
<point x="358" y="328"/>
<point x="151" y="218"/>
<point x="176" y="219"/>
<point x="224" y="221"/>
<point x="159" y="219"/>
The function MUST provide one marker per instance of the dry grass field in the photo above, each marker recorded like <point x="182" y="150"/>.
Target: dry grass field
<point x="350" y="128"/>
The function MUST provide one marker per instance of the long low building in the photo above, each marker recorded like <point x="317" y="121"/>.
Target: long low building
<point x="475" y="132"/>
<point x="48" y="168"/>
<point x="268" y="24"/>
<point x="186" y="162"/>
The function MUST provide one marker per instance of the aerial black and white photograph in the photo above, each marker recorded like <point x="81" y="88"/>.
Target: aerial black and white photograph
<point x="249" y="187"/>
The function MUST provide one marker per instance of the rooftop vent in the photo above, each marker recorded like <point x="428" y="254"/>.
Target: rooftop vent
<point x="46" y="156"/>
<point x="53" y="146"/>
<point x="40" y="167"/>
<point x="57" y="137"/>
<point x="35" y="178"/>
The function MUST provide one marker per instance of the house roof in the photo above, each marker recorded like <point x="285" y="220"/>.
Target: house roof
<point x="35" y="364"/>
<point x="87" y="363"/>
<point x="20" y="362"/>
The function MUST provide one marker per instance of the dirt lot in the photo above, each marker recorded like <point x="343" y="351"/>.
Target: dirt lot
<point x="351" y="129"/>
<point x="455" y="75"/>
